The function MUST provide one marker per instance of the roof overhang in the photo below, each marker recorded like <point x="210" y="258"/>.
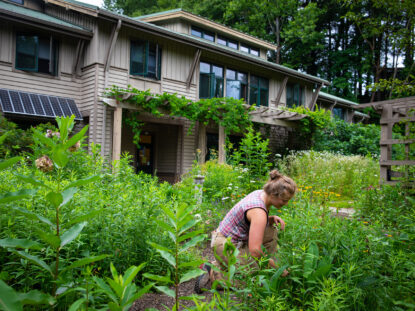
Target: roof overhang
<point x="37" y="21"/>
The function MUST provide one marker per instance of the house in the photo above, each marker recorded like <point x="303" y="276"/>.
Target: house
<point x="57" y="57"/>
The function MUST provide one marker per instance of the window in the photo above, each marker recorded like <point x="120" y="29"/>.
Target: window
<point x="228" y="42"/>
<point x="338" y="112"/>
<point x="204" y="34"/>
<point x="145" y="59"/>
<point x="36" y="53"/>
<point x="249" y="49"/>
<point x="211" y="81"/>
<point x="17" y="1"/>
<point x="236" y="84"/>
<point x="295" y="95"/>
<point x="258" y="91"/>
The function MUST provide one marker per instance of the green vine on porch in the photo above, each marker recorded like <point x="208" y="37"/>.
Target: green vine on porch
<point x="230" y="113"/>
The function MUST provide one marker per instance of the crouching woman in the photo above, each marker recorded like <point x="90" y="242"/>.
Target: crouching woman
<point x="249" y="226"/>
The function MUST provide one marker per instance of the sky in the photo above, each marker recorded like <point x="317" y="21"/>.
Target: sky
<point x="93" y="2"/>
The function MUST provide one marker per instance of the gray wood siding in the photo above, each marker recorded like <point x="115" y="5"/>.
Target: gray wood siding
<point x="189" y="144"/>
<point x="62" y="86"/>
<point x="177" y="61"/>
<point x="70" y="16"/>
<point x="172" y="86"/>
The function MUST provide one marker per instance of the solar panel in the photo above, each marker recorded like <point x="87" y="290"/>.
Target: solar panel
<point x="65" y="107"/>
<point x="27" y="104"/>
<point x="16" y="102"/>
<point x="6" y="105"/>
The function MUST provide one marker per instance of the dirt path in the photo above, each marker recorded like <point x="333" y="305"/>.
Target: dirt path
<point x="158" y="300"/>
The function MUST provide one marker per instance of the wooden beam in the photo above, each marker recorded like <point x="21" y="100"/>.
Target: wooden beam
<point x="332" y="106"/>
<point x="221" y="147"/>
<point x="77" y="60"/>
<point x="315" y="95"/>
<point x="397" y="162"/>
<point x="385" y="150"/>
<point x="196" y="60"/>
<point x="113" y="40"/>
<point x="396" y="120"/>
<point x="116" y="134"/>
<point x="282" y="88"/>
<point x="202" y="142"/>
<point x="396" y="141"/>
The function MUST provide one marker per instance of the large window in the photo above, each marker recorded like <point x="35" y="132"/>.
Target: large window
<point x="145" y="59"/>
<point x="228" y="42"/>
<point x="338" y="112"/>
<point x="201" y="33"/>
<point x="295" y="95"/>
<point x="258" y="91"/>
<point x="36" y="53"/>
<point x="236" y="84"/>
<point x="211" y="81"/>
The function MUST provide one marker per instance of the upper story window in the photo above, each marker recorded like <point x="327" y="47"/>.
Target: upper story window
<point x="145" y="59"/>
<point x="295" y="95"/>
<point x="201" y="33"/>
<point x="211" y="81"/>
<point x="236" y="84"/>
<point x="36" y="53"/>
<point x="249" y="49"/>
<point x="228" y="42"/>
<point x="17" y="1"/>
<point x="258" y="91"/>
<point x="338" y="112"/>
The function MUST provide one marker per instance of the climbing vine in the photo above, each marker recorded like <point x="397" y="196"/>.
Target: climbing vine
<point x="230" y="113"/>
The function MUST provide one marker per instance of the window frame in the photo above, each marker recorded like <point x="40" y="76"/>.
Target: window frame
<point x="227" y="42"/>
<point x="39" y="39"/>
<point x="301" y="95"/>
<point x="241" y="82"/>
<point x="250" y="49"/>
<point x="147" y="45"/>
<point x="203" y="33"/>
<point x="260" y="89"/>
<point x="212" y="80"/>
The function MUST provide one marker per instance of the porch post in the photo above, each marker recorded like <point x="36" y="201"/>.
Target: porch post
<point x="222" y="139"/>
<point x="202" y="144"/>
<point x="385" y="150"/>
<point x="116" y="135"/>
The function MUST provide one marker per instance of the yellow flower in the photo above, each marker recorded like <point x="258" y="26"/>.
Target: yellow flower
<point x="389" y="235"/>
<point x="365" y="222"/>
<point x="365" y="251"/>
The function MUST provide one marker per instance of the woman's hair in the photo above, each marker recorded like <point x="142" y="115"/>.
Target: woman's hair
<point x="279" y="184"/>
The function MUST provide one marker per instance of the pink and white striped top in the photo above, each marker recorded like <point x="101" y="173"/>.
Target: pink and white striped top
<point x="235" y="224"/>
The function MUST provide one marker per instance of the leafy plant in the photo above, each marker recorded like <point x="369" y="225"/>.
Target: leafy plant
<point x="180" y="221"/>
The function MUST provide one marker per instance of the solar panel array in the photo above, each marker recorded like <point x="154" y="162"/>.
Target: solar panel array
<point x="24" y="103"/>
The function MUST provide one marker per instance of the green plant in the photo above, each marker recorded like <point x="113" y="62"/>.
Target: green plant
<point x="179" y="223"/>
<point x="58" y="193"/>
<point x="120" y="289"/>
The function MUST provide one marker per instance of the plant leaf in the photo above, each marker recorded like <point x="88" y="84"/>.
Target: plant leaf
<point x="189" y="235"/>
<point x="310" y="261"/>
<point x="77" y="137"/>
<point x="60" y="157"/>
<point x="44" y="140"/>
<point x="191" y="275"/>
<point x="75" y="306"/>
<point x="9" y="162"/>
<point x="81" y="182"/>
<point x="72" y="233"/>
<point x="113" y="271"/>
<point x="20" y="243"/>
<point x="14" y="196"/>
<point x="32" y="215"/>
<point x="68" y="195"/>
<point x="83" y="262"/>
<point x="158" y="278"/>
<point x="105" y="288"/>
<point x="35" y="297"/>
<point x="32" y="181"/>
<point x="130" y="274"/>
<point x="118" y="288"/>
<point x="9" y="299"/>
<point x="82" y="218"/>
<point x="34" y="259"/>
<point x="165" y="253"/>
<point x="195" y="263"/>
<point x="192" y="242"/>
<point x="140" y="293"/>
<point x="165" y="290"/>
<point x="54" y="198"/>
<point x="188" y="225"/>
<point x="276" y="277"/>
<point x="51" y="239"/>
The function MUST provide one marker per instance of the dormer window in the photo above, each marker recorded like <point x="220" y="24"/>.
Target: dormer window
<point x="204" y="34"/>
<point x="227" y="42"/>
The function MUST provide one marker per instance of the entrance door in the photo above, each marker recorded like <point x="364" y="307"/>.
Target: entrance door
<point x="145" y="154"/>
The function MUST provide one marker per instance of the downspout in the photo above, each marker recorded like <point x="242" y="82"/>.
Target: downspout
<point x="113" y="40"/>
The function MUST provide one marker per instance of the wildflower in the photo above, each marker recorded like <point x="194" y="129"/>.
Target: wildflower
<point x="225" y="198"/>
<point x="75" y="147"/>
<point x="44" y="164"/>
<point x="389" y="235"/>
<point x="252" y="181"/>
<point x="365" y="251"/>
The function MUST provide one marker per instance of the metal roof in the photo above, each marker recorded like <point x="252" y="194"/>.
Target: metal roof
<point x="39" y="16"/>
<point x="335" y="98"/>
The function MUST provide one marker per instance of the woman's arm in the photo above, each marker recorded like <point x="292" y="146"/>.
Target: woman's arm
<point x="276" y="220"/>
<point x="258" y="221"/>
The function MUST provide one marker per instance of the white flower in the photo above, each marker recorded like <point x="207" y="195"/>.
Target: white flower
<point x="240" y="176"/>
<point x="278" y="155"/>
<point x="253" y="181"/>
<point x="225" y="198"/>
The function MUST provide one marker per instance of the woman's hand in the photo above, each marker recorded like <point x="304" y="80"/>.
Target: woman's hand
<point x="276" y="220"/>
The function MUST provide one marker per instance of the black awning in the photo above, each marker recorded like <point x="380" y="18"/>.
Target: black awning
<point x="37" y="105"/>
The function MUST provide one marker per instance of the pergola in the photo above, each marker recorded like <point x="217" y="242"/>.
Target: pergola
<point x="263" y="115"/>
<point x="392" y="112"/>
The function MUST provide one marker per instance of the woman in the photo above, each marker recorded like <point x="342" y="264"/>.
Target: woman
<point x="249" y="225"/>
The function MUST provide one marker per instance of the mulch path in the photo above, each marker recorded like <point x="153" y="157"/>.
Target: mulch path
<point x="158" y="300"/>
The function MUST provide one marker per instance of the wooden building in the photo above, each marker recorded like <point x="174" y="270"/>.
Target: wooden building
<point x="68" y="51"/>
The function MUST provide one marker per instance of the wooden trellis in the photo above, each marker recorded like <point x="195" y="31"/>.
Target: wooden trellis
<point x="392" y="112"/>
